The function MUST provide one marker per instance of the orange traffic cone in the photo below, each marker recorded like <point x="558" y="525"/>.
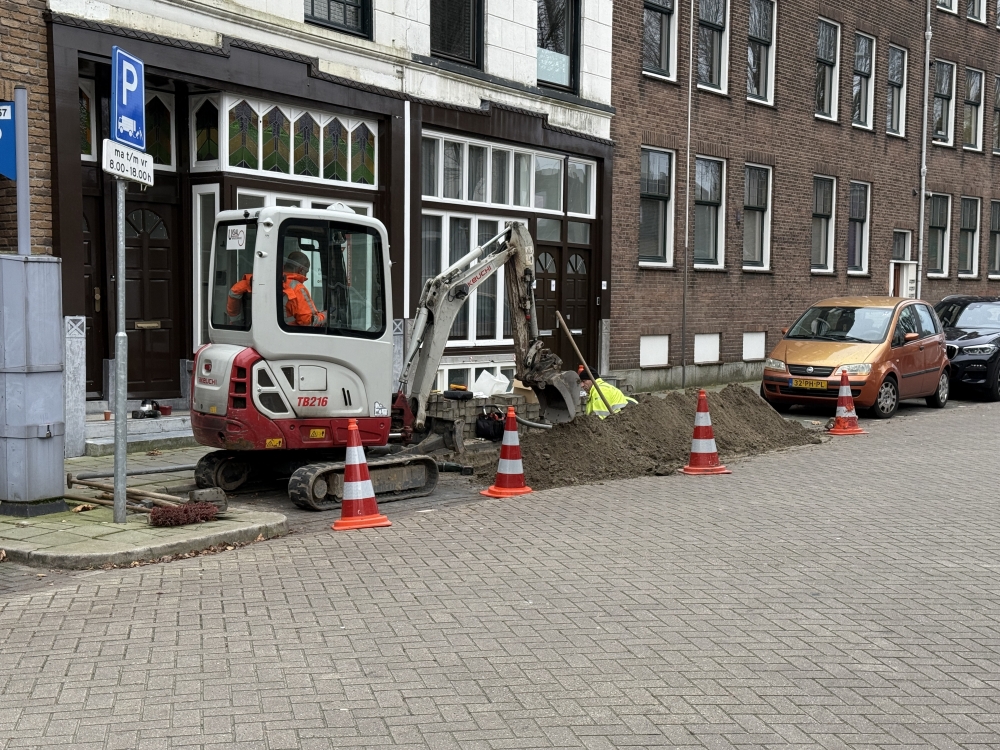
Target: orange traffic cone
<point x="360" y="508"/>
<point x="846" y="421"/>
<point x="510" y="472"/>
<point x="704" y="455"/>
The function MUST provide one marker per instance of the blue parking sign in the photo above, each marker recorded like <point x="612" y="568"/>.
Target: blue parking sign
<point x="128" y="100"/>
<point x="8" y="158"/>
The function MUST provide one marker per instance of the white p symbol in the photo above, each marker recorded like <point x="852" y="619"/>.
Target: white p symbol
<point x="130" y="79"/>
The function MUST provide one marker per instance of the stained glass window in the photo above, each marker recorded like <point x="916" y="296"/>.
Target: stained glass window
<point x="244" y="134"/>
<point x="86" y="130"/>
<point x="206" y="126"/>
<point x="335" y="151"/>
<point x="307" y="146"/>
<point x="363" y="155"/>
<point x="158" y="132"/>
<point x="277" y="150"/>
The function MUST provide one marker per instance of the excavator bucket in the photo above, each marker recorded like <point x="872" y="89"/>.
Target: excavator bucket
<point x="558" y="397"/>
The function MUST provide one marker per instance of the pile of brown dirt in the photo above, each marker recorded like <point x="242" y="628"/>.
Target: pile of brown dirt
<point x="652" y="437"/>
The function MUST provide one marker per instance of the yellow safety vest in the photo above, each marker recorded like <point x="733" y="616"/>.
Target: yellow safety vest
<point x="617" y="399"/>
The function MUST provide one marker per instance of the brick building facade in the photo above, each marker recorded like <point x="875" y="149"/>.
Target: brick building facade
<point x="801" y="186"/>
<point x="24" y="61"/>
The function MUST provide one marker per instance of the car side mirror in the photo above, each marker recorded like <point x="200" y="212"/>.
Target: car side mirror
<point x="911" y="337"/>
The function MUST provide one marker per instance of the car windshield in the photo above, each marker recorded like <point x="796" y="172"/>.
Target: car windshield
<point x="862" y="324"/>
<point x="973" y="315"/>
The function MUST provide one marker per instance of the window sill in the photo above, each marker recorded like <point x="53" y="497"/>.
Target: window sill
<point x="659" y="77"/>
<point x="761" y="102"/>
<point x="653" y="265"/>
<point x="949" y="11"/>
<point x="943" y="144"/>
<point x="976" y="149"/>
<point x="822" y="272"/>
<point x="825" y="118"/>
<point x="710" y="362"/>
<point x="710" y="269"/>
<point x="654" y="367"/>
<point x="757" y="269"/>
<point x="993" y="277"/>
<point x="900" y="136"/>
<point x="968" y="277"/>
<point x="717" y="91"/>
<point x="977" y="20"/>
<point x="859" y="274"/>
<point x="936" y="275"/>
<point x="858" y="126"/>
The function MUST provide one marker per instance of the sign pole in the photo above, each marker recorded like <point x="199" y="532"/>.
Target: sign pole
<point x="121" y="358"/>
<point x="23" y="177"/>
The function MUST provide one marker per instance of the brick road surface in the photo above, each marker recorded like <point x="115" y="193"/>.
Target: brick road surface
<point x="841" y="595"/>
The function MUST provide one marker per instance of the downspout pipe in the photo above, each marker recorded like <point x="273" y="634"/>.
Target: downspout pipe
<point x="923" y="154"/>
<point x="687" y="198"/>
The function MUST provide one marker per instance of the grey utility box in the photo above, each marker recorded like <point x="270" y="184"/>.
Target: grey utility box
<point x="31" y="385"/>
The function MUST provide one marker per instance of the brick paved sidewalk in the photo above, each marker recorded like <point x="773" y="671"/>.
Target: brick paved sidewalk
<point x="842" y="595"/>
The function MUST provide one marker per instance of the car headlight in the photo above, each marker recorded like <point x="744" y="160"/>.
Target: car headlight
<point x="774" y="364"/>
<point x="858" y="369"/>
<point x="983" y="349"/>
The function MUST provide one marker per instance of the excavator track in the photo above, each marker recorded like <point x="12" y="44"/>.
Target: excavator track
<point x="320" y="486"/>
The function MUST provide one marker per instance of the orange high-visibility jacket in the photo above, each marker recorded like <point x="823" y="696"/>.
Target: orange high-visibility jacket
<point x="299" y="307"/>
<point x="234" y="305"/>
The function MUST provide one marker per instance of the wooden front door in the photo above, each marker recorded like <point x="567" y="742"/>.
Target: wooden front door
<point x="152" y="300"/>
<point x="576" y="298"/>
<point x="96" y="297"/>
<point x="547" y="263"/>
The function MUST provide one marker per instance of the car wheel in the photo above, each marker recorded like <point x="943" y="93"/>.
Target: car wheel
<point x="887" y="400"/>
<point x="940" y="397"/>
<point x="993" y="392"/>
<point x="778" y="407"/>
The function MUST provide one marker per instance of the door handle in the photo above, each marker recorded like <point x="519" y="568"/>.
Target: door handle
<point x="97" y="299"/>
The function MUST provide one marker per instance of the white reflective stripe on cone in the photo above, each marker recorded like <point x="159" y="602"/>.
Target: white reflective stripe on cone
<point x="358" y="490"/>
<point x="510" y="466"/>
<point x="509" y="437"/>
<point x="702" y="419"/>
<point x="704" y="446"/>
<point x="844" y="413"/>
<point x="355" y="455"/>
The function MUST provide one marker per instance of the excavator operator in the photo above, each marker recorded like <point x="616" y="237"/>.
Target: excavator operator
<point x="234" y="305"/>
<point x="299" y="307"/>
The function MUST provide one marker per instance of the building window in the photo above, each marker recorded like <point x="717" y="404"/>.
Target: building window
<point x="976" y="10"/>
<point x="88" y="121"/>
<point x="895" y="110"/>
<point x="996" y="113"/>
<point x="556" y="42"/>
<point x="827" y="68"/>
<point x="993" y="268"/>
<point x="654" y="351"/>
<point x="864" y="51"/>
<point x="857" y="229"/>
<point x="712" y="44"/>
<point x="206" y="132"/>
<point x="968" y="238"/>
<point x="277" y="141"/>
<point x="948" y="5"/>
<point x="760" y="55"/>
<point x="900" y="244"/>
<point x="352" y="16"/>
<point x="756" y="217"/>
<point x="579" y="190"/>
<point x="706" y="348"/>
<point x="944" y="79"/>
<point x="823" y="223"/>
<point x="655" y="207"/>
<point x="709" y="230"/>
<point x="937" y="237"/>
<point x="754" y="346"/>
<point x="657" y="37"/>
<point x="972" y="126"/>
<point x="455" y="30"/>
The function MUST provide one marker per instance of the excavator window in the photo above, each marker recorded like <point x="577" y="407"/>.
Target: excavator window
<point x="331" y="279"/>
<point x="231" y="298"/>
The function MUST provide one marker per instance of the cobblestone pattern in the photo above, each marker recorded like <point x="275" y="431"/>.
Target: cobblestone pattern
<point x="841" y="595"/>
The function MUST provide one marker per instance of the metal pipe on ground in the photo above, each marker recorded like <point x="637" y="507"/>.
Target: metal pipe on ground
<point x="102" y="501"/>
<point x="137" y="472"/>
<point x="168" y="501"/>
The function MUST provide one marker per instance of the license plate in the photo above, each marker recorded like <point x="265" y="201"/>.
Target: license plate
<point x="803" y="383"/>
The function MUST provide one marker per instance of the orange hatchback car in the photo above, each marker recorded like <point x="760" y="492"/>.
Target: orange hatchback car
<point x="892" y="348"/>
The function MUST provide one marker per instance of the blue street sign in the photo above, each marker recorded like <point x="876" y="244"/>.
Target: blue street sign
<point x="8" y="159"/>
<point x="128" y="100"/>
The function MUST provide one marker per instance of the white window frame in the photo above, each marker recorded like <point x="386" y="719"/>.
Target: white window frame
<point x="835" y="94"/>
<point x="902" y="92"/>
<point x="831" y="230"/>
<point x="706" y="339"/>
<point x="943" y="274"/>
<point x="721" y="260"/>
<point x="88" y="86"/>
<point x="982" y="105"/>
<point x="870" y="114"/>
<point x="194" y="104"/>
<point x="978" y="19"/>
<point x="866" y="232"/>
<point x="723" y="89"/>
<point x="654" y="351"/>
<point x="671" y="205"/>
<point x="951" y="105"/>
<point x="225" y="102"/>
<point x="199" y="309"/>
<point x="950" y="7"/>
<point x="672" y="62"/>
<point x="974" y="274"/>
<point x="271" y="198"/>
<point x="472" y="340"/>
<point x="990" y="273"/>
<point x="475" y="206"/>
<point x="763" y="355"/>
<point x="768" y="100"/>
<point x="168" y="101"/>
<point x="766" y="249"/>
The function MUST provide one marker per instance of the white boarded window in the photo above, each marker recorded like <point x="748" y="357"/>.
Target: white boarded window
<point x="754" y="346"/>
<point x="654" y="351"/>
<point x="706" y="348"/>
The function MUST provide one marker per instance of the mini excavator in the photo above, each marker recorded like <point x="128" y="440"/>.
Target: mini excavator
<point x="300" y="324"/>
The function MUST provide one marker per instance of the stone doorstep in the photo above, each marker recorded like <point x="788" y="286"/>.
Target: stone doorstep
<point x="73" y="547"/>
<point x="106" y="429"/>
<point x="142" y="443"/>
